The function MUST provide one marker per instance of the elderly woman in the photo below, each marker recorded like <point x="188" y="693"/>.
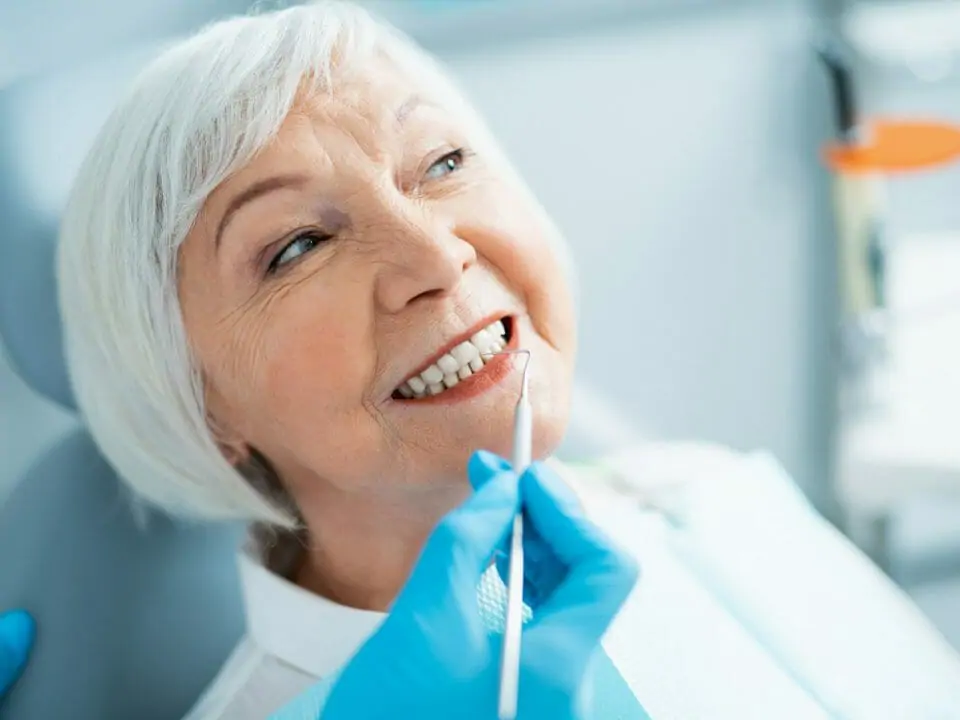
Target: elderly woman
<point x="283" y="269"/>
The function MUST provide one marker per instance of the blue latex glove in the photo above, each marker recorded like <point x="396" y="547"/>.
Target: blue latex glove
<point x="17" y="631"/>
<point x="434" y="658"/>
<point x="543" y="570"/>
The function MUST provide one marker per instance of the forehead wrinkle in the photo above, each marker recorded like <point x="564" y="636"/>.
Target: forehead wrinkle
<point x="360" y="131"/>
<point x="370" y="117"/>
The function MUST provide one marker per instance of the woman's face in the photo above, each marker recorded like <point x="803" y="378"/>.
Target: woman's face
<point x="340" y="293"/>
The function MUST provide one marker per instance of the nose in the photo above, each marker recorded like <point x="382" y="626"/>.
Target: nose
<point x="422" y="259"/>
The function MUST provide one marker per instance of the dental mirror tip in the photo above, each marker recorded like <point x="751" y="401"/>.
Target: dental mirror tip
<point x="526" y="366"/>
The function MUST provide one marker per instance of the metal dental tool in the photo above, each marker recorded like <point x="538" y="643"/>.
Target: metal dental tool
<point x="510" y="659"/>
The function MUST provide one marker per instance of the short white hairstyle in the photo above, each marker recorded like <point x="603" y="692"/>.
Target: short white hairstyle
<point x="193" y="117"/>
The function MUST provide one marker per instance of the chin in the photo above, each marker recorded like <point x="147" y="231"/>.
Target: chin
<point x="550" y="426"/>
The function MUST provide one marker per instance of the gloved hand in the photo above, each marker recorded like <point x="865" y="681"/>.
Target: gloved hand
<point x="433" y="657"/>
<point x="542" y="569"/>
<point x="17" y="632"/>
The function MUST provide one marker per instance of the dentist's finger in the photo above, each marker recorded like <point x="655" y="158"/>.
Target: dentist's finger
<point x="600" y="575"/>
<point x="483" y="466"/>
<point x="542" y="570"/>
<point x="557" y="515"/>
<point x="17" y="633"/>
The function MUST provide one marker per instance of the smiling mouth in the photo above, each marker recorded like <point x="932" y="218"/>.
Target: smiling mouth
<point x="460" y="364"/>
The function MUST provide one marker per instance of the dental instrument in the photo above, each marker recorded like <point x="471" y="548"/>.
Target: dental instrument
<point x="510" y="657"/>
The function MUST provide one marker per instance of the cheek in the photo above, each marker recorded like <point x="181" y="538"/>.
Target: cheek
<point x="522" y="245"/>
<point x="549" y="298"/>
<point x="314" y="379"/>
<point x="303" y="364"/>
<point x="550" y="396"/>
<point x="316" y="353"/>
<point x="526" y="249"/>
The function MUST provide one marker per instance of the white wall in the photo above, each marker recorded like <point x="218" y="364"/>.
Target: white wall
<point x="37" y="35"/>
<point x="678" y="151"/>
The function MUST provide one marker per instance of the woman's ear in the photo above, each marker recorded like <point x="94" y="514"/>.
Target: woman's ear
<point x="233" y="448"/>
<point x="236" y="455"/>
<point x="231" y="445"/>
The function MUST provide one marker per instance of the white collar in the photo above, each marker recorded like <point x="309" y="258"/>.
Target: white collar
<point x="309" y="632"/>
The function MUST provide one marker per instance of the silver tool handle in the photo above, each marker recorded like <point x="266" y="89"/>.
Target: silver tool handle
<point x="513" y="627"/>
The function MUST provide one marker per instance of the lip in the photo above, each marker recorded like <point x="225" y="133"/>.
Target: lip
<point x="492" y="373"/>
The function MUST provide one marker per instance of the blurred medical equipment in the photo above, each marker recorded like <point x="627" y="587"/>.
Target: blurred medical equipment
<point x="17" y="631"/>
<point x="865" y="152"/>
<point x="861" y="231"/>
<point x="895" y="437"/>
<point x="431" y="657"/>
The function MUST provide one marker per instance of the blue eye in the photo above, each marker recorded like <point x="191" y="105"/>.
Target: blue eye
<point x="300" y="245"/>
<point x="449" y="163"/>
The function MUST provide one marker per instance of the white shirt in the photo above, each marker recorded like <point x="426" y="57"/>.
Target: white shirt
<point x="748" y="606"/>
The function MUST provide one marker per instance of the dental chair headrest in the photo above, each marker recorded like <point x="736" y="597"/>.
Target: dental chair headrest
<point x="47" y="125"/>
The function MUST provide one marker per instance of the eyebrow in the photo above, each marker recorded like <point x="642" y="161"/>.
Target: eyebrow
<point x="257" y="190"/>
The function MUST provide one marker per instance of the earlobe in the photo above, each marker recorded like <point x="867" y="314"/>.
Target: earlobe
<point x="236" y="455"/>
<point x="234" y="450"/>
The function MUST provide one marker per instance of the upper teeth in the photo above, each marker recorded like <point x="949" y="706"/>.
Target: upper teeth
<point x="458" y="364"/>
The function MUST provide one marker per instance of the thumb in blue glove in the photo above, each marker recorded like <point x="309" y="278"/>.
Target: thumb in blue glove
<point x="542" y="569"/>
<point x="17" y="632"/>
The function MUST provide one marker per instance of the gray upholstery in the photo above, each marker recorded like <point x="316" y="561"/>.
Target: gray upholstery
<point x="133" y="620"/>
<point x="47" y="124"/>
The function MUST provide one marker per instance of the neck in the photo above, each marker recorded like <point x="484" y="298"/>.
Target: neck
<point x="362" y="547"/>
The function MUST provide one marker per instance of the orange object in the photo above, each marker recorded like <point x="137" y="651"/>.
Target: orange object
<point x="897" y="146"/>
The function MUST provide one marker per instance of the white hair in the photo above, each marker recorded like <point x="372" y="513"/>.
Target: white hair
<point x="196" y="115"/>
